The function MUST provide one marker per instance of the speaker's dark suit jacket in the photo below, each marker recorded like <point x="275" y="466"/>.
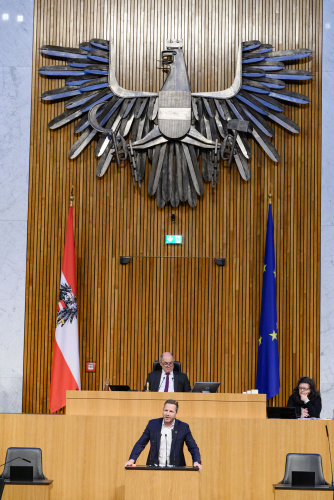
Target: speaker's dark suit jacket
<point x="181" y="382"/>
<point x="180" y="434"/>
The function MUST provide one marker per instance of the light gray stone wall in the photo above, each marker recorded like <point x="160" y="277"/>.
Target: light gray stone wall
<point x="15" y="105"/>
<point x="327" y="216"/>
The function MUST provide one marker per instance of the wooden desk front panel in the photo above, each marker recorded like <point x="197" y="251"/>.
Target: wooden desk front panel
<point x="171" y="485"/>
<point x="85" y="455"/>
<point x="27" y="492"/>
<point x="146" y="404"/>
<point x="303" y="495"/>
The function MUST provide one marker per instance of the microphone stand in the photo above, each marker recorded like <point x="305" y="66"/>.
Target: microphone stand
<point x="166" y="449"/>
<point x="2" y="481"/>
<point x="2" y="486"/>
<point x="330" y="456"/>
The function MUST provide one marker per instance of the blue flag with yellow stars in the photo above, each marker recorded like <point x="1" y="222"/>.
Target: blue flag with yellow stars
<point x="267" y="377"/>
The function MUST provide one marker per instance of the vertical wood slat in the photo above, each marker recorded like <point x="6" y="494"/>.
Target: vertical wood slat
<point x="175" y="298"/>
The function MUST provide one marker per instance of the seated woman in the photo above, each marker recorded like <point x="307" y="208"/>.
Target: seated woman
<point x="306" y="399"/>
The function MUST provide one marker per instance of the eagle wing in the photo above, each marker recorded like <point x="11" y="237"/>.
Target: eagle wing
<point x="92" y="95"/>
<point x="257" y="97"/>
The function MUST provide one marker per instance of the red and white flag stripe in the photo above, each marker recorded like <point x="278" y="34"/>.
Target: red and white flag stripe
<point x="65" y="373"/>
<point x="61" y="304"/>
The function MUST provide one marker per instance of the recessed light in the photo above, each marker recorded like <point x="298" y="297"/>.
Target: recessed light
<point x="5" y="17"/>
<point x="19" y="19"/>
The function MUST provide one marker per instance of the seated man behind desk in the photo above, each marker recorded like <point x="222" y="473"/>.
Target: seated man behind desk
<point x="167" y="437"/>
<point x="167" y="380"/>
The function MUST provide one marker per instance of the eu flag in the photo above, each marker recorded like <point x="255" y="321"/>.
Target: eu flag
<point x="267" y="377"/>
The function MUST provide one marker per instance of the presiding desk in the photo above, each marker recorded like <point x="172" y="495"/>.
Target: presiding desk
<point x="150" y="404"/>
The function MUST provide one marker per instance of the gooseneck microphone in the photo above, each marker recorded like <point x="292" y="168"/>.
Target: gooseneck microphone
<point x="330" y="454"/>
<point x="166" y="449"/>
<point x="16" y="458"/>
<point x="163" y="381"/>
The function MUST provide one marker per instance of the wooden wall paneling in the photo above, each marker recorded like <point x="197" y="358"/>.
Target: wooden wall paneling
<point x="316" y="180"/>
<point x="207" y="315"/>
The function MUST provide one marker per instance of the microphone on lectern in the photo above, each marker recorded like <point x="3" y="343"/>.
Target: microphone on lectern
<point x="330" y="455"/>
<point x="166" y="449"/>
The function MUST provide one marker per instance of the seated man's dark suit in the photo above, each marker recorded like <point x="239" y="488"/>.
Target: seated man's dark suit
<point x="180" y="434"/>
<point x="181" y="381"/>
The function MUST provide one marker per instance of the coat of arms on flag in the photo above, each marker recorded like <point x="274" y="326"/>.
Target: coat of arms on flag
<point x="67" y="305"/>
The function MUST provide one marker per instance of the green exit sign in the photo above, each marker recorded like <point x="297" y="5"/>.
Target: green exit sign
<point x="173" y="239"/>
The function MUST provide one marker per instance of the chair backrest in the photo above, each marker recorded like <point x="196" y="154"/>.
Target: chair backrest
<point x="308" y="462"/>
<point x="32" y="454"/>
<point x="157" y="366"/>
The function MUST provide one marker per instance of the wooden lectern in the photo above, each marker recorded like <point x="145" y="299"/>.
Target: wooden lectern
<point x="159" y="483"/>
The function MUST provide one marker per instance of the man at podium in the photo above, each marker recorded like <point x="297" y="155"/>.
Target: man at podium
<point x="167" y="436"/>
<point x="167" y="379"/>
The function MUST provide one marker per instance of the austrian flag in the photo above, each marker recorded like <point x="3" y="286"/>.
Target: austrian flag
<point x="65" y="375"/>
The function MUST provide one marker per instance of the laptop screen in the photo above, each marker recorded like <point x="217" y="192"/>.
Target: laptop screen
<point x="205" y="387"/>
<point x="119" y="387"/>
<point x="281" y="412"/>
